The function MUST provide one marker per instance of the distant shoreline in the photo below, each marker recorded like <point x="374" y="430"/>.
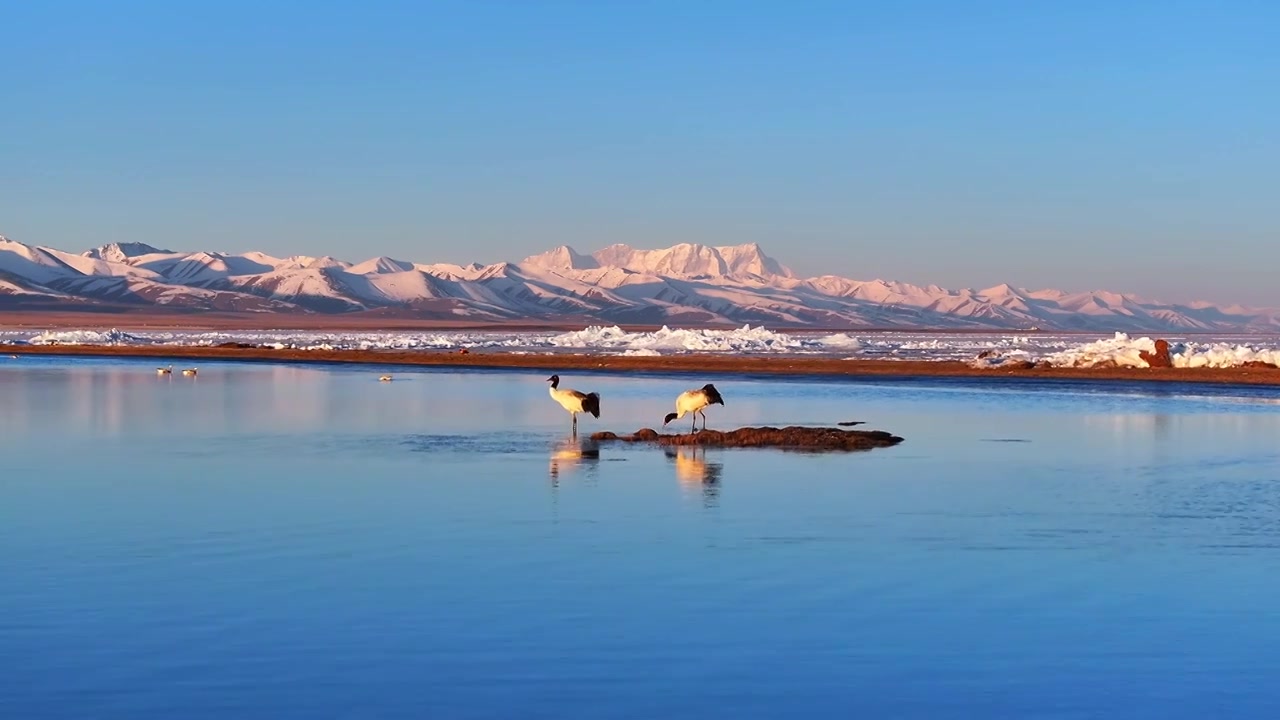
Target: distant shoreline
<point x="706" y="364"/>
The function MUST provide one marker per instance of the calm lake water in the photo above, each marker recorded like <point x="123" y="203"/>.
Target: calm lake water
<point x="270" y="541"/>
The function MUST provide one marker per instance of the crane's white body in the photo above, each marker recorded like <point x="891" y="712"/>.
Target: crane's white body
<point x="572" y="401"/>
<point x="690" y="401"/>
<point x="693" y="402"/>
<point x="191" y="372"/>
<point x="164" y="370"/>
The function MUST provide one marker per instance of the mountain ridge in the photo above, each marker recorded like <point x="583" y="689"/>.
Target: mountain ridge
<point x="687" y="283"/>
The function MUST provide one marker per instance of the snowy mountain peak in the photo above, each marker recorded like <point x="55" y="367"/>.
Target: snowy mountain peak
<point x="684" y="261"/>
<point x="692" y="260"/>
<point x="378" y="265"/>
<point x="561" y="258"/>
<point x="618" y="255"/>
<point x="684" y="284"/>
<point x="325" y="261"/>
<point x="1001" y="290"/>
<point x="121" y="252"/>
<point x="750" y="259"/>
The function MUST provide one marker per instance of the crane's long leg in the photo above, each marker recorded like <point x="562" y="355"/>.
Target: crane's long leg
<point x="575" y="423"/>
<point x="695" y="422"/>
<point x="704" y="419"/>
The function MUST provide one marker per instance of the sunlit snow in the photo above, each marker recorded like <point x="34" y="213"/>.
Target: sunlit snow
<point x="982" y="350"/>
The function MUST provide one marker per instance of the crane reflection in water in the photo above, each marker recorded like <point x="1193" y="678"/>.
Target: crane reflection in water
<point x="694" y="471"/>
<point x="573" y="454"/>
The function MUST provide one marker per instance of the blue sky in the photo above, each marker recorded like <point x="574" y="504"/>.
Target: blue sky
<point x="1129" y="146"/>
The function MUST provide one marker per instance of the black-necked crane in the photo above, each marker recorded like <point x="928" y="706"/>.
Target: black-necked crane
<point x="574" y="401"/>
<point x="191" y="372"/>
<point x="693" y="402"/>
<point x="164" y="370"/>
<point x="384" y="378"/>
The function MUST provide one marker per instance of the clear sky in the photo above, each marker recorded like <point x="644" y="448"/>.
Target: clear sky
<point x="1130" y="146"/>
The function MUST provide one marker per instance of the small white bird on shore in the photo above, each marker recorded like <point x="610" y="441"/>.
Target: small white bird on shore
<point x="190" y="372"/>
<point x="164" y="370"/>
<point x="573" y="401"/>
<point x="693" y="401"/>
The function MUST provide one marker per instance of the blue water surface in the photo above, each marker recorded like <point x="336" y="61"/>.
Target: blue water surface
<point x="276" y="541"/>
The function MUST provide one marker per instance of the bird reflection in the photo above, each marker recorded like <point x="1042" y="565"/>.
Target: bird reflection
<point x="572" y="454"/>
<point x="1162" y="425"/>
<point x="693" y="471"/>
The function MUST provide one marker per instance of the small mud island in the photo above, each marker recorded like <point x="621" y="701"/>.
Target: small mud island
<point x="793" y="437"/>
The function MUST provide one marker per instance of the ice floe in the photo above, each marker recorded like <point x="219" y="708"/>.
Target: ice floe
<point x="743" y="340"/>
<point x="1124" y="351"/>
<point x="992" y="350"/>
<point x="86" y="337"/>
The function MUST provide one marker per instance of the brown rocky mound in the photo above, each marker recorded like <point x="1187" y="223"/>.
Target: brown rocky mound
<point x="808" y="438"/>
<point x="1160" y="358"/>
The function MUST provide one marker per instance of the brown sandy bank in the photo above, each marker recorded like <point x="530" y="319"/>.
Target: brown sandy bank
<point x="702" y="364"/>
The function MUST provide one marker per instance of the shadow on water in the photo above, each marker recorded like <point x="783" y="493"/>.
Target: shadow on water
<point x="694" y="471"/>
<point x="573" y="454"/>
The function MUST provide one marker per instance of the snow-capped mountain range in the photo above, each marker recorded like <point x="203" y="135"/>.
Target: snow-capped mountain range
<point x="685" y="284"/>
